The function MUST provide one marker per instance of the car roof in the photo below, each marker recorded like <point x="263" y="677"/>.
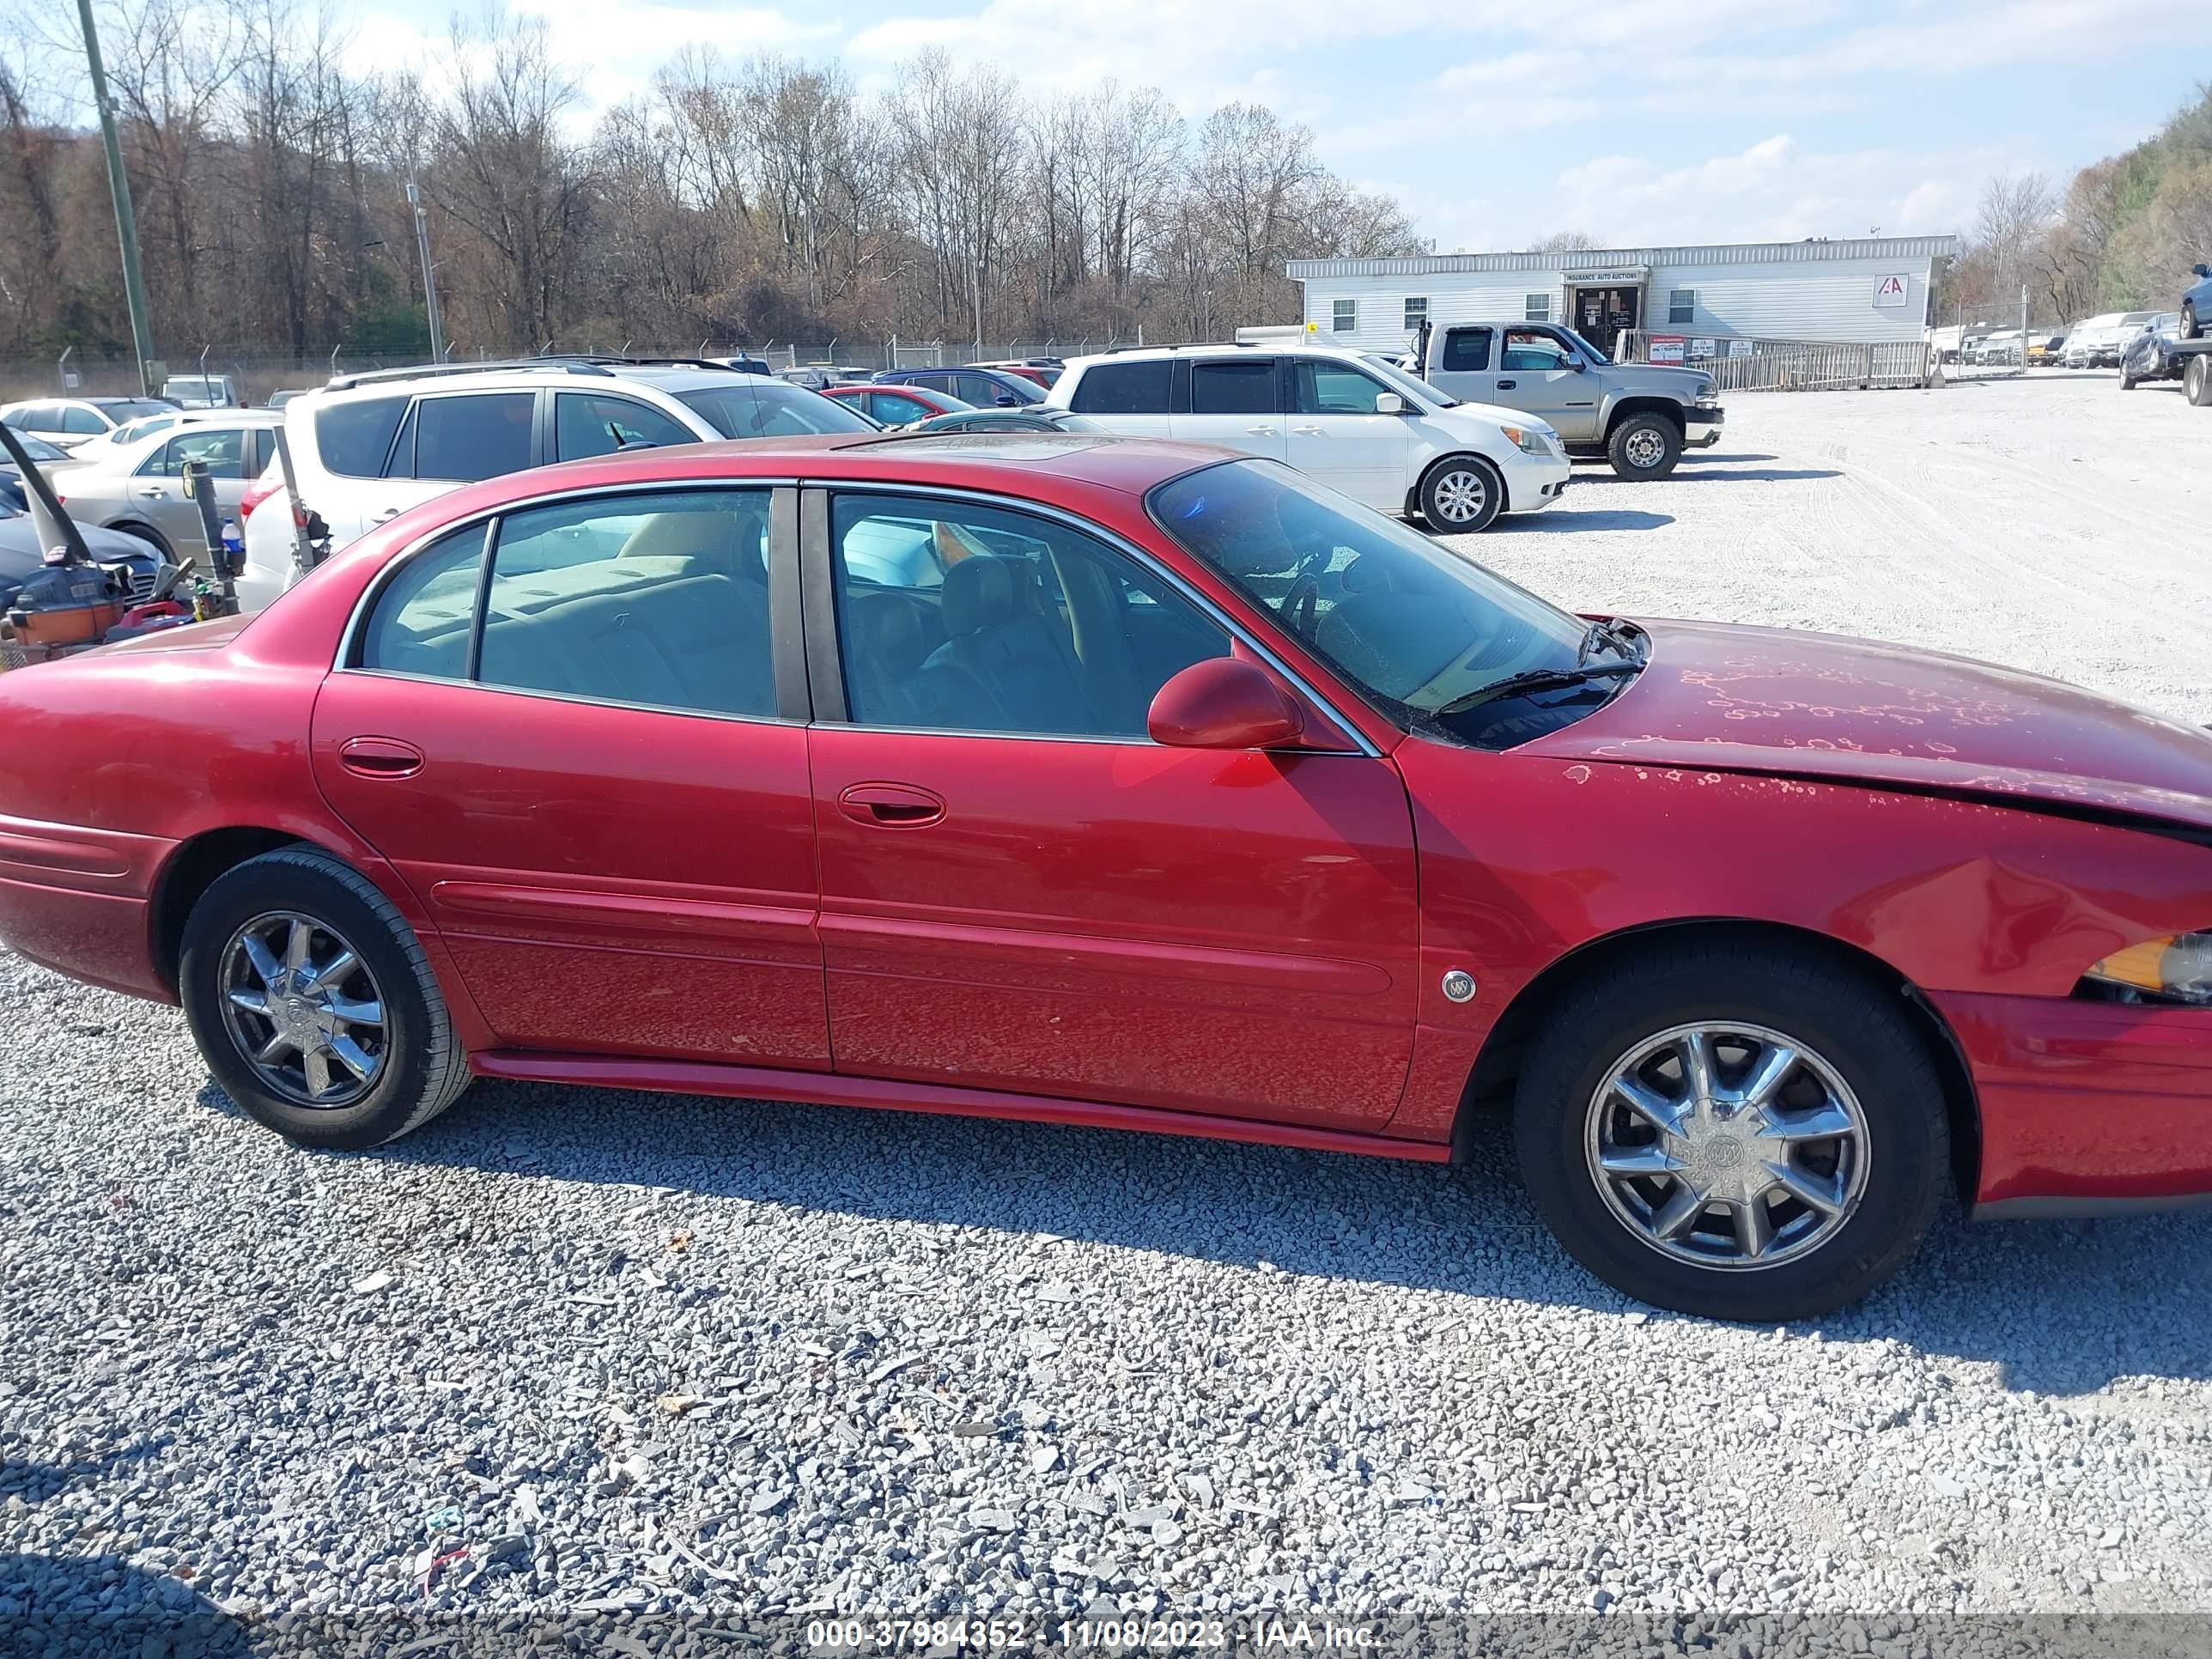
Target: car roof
<point x="584" y="375"/>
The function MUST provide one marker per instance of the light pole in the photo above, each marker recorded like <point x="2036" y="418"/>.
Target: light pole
<point x="126" y="222"/>
<point x="429" y="283"/>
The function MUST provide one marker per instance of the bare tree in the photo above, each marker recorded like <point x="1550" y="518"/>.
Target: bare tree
<point x="1565" y="241"/>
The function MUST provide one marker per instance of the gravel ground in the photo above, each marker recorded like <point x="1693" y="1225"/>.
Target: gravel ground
<point x="642" y="1357"/>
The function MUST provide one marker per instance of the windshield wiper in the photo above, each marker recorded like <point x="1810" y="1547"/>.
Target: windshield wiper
<point x="1537" y="679"/>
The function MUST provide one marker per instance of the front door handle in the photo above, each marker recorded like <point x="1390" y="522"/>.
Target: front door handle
<point x="1261" y="431"/>
<point x="1507" y="386"/>
<point x="379" y="758"/>
<point x="891" y="806"/>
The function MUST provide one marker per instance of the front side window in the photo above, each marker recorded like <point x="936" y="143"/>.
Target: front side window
<point x="1682" y="305"/>
<point x="1330" y="388"/>
<point x="589" y="424"/>
<point x="1536" y="309"/>
<point x="1531" y="352"/>
<point x="354" y="437"/>
<point x="1141" y="388"/>
<point x="477" y="436"/>
<point x="1344" y="318"/>
<point x="1467" y="350"/>
<point x="222" y="451"/>
<point x="79" y="421"/>
<point x="1416" y="310"/>
<point x="771" y="408"/>
<point x="1411" y="625"/>
<point x="956" y="617"/>
<point x="1243" y="385"/>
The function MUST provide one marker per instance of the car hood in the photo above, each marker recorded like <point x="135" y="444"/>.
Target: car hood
<point x="20" y="553"/>
<point x="1816" y="705"/>
<point x="1488" y="417"/>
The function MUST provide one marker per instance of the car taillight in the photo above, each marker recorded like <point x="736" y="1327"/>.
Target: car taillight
<point x="256" y="493"/>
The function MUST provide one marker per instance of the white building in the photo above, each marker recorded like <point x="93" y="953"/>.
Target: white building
<point x="1870" y="290"/>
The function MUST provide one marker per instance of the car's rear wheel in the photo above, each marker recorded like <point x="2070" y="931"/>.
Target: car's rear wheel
<point x="313" y="1004"/>
<point x="1741" y="1134"/>
<point x="1462" y="494"/>
<point x="2196" y="380"/>
<point x="2190" y="326"/>
<point x="1645" y="446"/>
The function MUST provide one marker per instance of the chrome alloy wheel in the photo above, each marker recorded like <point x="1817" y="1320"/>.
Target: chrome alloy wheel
<point x="303" y="1010"/>
<point x="1645" y="448"/>
<point x="1461" y="495"/>
<point x="1727" y="1146"/>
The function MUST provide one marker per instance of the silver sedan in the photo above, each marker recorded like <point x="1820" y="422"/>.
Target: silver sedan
<point x="139" y="487"/>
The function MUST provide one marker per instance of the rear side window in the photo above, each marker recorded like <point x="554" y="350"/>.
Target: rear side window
<point x="1241" y="387"/>
<point x="421" y="621"/>
<point x="81" y="423"/>
<point x="463" y="440"/>
<point x="1467" y="350"/>
<point x="353" y="438"/>
<point x="1124" y="388"/>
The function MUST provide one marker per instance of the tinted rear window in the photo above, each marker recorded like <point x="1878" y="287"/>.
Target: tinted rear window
<point x="353" y="438"/>
<point x="768" y="410"/>
<point x="1233" y="388"/>
<point x="1124" y="388"/>
<point x="463" y="440"/>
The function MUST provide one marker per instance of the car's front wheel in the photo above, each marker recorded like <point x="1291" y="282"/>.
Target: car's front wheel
<point x="1461" y="493"/>
<point x="1645" y="446"/>
<point x="1739" y="1133"/>
<point x="313" y="1004"/>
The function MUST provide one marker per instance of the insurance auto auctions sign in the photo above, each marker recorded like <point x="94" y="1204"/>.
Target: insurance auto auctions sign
<point x="1891" y="290"/>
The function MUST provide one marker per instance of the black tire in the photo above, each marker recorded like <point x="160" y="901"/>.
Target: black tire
<point x="420" y="1066"/>
<point x="1645" y="445"/>
<point x="2128" y="382"/>
<point x="2196" y="380"/>
<point x="1461" y="495"/>
<point x="1859" y="1029"/>
<point x="151" y="537"/>
<point x="2190" y="328"/>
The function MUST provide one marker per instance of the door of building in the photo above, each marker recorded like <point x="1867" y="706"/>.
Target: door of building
<point x="1602" y="315"/>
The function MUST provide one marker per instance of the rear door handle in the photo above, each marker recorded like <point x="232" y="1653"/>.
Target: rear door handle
<point x="154" y="493"/>
<point x="1507" y="386"/>
<point x="1307" y="431"/>
<point x="388" y="512"/>
<point x="891" y="806"/>
<point x="379" y="758"/>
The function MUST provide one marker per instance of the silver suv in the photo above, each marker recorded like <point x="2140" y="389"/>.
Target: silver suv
<point x="1640" y="416"/>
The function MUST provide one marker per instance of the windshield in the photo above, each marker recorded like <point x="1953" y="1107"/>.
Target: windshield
<point x="1591" y="351"/>
<point x="1411" y="624"/>
<point x="130" y="409"/>
<point x="773" y="409"/>
<point x="1425" y="396"/>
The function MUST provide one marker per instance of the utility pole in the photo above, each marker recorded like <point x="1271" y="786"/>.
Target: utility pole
<point x="2023" y="330"/>
<point x="126" y="222"/>
<point x="430" y="282"/>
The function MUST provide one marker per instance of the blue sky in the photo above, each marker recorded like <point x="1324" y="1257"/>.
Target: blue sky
<point x="1495" y="121"/>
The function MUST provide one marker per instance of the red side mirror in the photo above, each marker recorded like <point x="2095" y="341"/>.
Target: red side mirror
<point x="1223" y="704"/>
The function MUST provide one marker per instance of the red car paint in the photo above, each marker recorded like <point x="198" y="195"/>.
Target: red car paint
<point x="1246" y="945"/>
<point x="923" y="401"/>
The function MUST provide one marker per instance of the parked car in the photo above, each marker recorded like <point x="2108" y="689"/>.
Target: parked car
<point x="2044" y="349"/>
<point x="744" y="365"/>
<point x="73" y="421"/>
<point x="1038" y="417"/>
<point x="21" y="554"/>
<point x="1042" y="374"/>
<point x="896" y="405"/>
<point x="2150" y="355"/>
<point x="1263" y="818"/>
<point x="1383" y="437"/>
<point x="820" y="377"/>
<point x="41" y="453"/>
<point x="367" y="446"/>
<point x="138" y="487"/>
<point x="986" y="388"/>
<point x="203" y="391"/>
<point x="2196" y="302"/>
<point x="278" y="400"/>
<point x="1636" y="415"/>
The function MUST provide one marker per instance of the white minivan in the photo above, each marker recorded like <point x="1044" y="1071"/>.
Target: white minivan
<point x="1351" y="419"/>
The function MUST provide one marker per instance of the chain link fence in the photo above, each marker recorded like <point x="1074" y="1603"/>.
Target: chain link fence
<point x="258" y="371"/>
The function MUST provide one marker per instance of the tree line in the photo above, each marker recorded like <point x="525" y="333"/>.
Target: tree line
<point x="747" y="200"/>
<point x="2121" y="236"/>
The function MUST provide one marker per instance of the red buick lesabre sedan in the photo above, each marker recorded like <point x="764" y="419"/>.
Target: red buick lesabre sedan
<point x="1129" y="783"/>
